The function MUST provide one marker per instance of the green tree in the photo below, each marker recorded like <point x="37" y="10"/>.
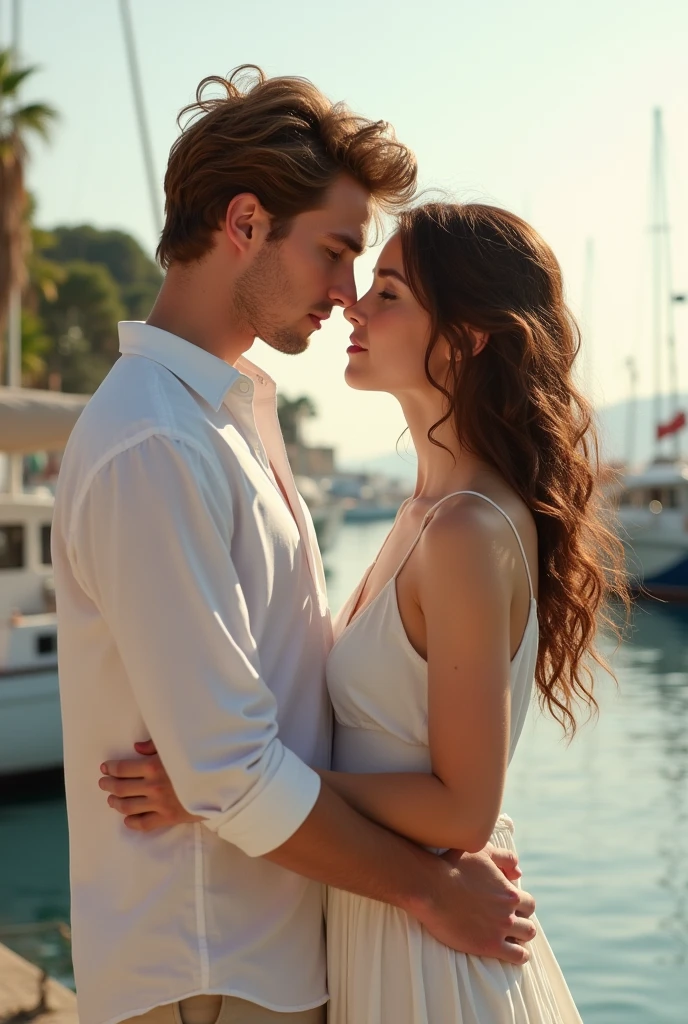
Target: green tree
<point x="44" y="279"/>
<point x="136" y="274"/>
<point x="82" y="324"/>
<point x="36" y="346"/>
<point x="17" y="124"/>
<point x="87" y="298"/>
<point x="292" y="412"/>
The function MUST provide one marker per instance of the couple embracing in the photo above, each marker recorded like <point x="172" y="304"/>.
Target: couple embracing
<point x="307" y="807"/>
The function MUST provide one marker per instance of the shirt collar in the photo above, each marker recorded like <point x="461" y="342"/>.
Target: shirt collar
<point x="211" y="378"/>
<point x="265" y="387"/>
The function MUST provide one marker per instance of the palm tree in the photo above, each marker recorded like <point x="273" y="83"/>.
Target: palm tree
<point x="292" y="412"/>
<point x="17" y="123"/>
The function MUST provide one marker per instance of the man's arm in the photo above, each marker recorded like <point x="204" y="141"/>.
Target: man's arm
<point x="465" y="900"/>
<point x="152" y="549"/>
<point x="151" y="546"/>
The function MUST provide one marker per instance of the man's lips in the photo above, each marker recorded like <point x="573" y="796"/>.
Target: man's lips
<point x="317" y="318"/>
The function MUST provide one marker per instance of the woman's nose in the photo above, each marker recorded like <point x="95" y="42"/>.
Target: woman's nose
<point x="354" y="314"/>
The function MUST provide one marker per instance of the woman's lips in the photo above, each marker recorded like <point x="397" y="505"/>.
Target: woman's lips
<point x="354" y="348"/>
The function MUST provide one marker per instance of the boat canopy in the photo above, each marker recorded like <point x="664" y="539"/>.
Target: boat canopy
<point x="34" y="421"/>
<point x="658" y="474"/>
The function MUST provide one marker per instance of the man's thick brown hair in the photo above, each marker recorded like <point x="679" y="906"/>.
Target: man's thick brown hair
<point x="279" y="139"/>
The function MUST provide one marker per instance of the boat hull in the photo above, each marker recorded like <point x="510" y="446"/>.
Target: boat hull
<point x="657" y="563"/>
<point x="30" y="723"/>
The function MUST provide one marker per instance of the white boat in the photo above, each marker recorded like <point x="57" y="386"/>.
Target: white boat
<point x="653" y="503"/>
<point x="30" y="726"/>
<point x="653" y="521"/>
<point x="30" y="731"/>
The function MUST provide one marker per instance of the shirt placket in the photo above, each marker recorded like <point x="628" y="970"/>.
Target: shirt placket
<point x="278" y="459"/>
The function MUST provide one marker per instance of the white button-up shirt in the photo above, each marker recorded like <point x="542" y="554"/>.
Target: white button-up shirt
<point x="191" y="608"/>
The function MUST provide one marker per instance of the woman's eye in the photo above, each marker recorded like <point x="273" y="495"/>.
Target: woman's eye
<point x="386" y="295"/>
<point x="333" y="255"/>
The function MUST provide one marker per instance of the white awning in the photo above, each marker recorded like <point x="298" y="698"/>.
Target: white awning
<point x="33" y="421"/>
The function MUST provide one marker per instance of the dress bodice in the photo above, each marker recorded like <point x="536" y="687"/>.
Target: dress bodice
<point x="378" y="682"/>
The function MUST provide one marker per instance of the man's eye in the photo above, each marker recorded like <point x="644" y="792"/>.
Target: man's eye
<point x="386" y="295"/>
<point x="333" y="255"/>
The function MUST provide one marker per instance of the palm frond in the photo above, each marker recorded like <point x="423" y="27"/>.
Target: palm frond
<point x="36" y="117"/>
<point x="10" y="82"/>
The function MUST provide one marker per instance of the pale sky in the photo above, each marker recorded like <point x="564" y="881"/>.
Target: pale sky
<point x="540" y="106"/>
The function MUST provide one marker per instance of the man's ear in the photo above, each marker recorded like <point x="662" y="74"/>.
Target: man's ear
<point x="247" y="222"/>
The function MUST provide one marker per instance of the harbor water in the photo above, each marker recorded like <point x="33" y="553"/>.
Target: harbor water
<point x="601" y="826"/>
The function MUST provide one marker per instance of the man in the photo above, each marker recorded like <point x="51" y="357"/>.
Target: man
<point x="191" y="597"/>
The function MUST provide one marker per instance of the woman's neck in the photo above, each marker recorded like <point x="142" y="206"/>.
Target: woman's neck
<point x="441" y="470"/>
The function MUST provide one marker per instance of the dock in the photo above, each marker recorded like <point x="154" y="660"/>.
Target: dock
<point x="25" y="997"/>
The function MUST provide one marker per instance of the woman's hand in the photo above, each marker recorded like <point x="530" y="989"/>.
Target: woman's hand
<point x="141" y="790"/>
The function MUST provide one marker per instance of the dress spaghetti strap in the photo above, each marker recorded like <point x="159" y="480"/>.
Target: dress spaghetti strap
<point x="475" y="494"/>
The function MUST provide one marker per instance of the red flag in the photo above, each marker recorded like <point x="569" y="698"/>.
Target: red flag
<point x="672" y="427"/>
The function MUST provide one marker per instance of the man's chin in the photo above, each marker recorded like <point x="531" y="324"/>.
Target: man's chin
<point x="290" y="343"/>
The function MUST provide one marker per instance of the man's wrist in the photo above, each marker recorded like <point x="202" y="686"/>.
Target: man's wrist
<point x="420" y="894"/>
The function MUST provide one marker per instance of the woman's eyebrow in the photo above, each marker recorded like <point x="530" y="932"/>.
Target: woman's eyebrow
<point x="390" y="272"/>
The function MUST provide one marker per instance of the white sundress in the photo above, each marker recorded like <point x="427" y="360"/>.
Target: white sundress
<point x="383" y="966"/>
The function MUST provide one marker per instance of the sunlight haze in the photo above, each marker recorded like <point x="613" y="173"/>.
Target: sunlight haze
<point x="545" y="108"/>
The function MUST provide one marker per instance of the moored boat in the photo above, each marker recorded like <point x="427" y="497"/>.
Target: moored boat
<point x="30" y="726"/>
<point x="30" y="731"/>
<point x="653" y="526"/>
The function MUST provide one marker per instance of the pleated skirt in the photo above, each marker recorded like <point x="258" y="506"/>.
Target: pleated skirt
<point x="385" y="968"/>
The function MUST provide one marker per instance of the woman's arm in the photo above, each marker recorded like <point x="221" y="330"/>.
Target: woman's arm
<point x="465" y="581"/>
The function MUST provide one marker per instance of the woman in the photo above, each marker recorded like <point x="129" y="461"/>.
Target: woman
<point x="493" y="576"/>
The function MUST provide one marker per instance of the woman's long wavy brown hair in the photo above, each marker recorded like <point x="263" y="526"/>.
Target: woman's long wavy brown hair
<point x="516" y="406"/>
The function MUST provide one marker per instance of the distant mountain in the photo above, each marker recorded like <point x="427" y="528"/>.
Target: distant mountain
<point x="613" y="422"/>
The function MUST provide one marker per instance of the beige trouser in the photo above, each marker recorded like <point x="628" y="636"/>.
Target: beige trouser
<point x="225" y="1010"/>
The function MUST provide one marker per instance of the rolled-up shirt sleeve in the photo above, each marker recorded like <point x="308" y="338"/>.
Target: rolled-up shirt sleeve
<point x="151" y="544"/>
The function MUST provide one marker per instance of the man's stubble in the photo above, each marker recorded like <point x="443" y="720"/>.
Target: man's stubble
<point x="260" y="293"/>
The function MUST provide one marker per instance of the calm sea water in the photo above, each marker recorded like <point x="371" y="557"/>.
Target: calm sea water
<point x="601" y="825"/>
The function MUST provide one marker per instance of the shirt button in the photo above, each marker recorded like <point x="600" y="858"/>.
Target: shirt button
<point x="244" y="387"/>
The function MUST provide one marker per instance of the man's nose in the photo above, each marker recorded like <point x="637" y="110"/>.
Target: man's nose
<point x="343" y="293"/>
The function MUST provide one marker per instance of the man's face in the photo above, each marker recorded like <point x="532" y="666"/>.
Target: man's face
<point x="292" y="284"/>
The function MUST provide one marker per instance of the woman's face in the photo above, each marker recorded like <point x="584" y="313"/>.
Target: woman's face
<point x="391" y="331"/>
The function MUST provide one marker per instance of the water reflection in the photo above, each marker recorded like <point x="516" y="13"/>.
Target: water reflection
<point x="34" y="880"/>
<point x="602" y="830"/>
<point x="602" y="826"/>
<point x="656" y="665"/>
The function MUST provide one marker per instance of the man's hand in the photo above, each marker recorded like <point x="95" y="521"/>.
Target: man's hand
<point x="141" y="790"/>
<point x="476" y="909"/>
<point x="472" y="904"/>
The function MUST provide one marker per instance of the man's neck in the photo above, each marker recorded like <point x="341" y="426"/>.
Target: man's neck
<point x="193" y="308"/>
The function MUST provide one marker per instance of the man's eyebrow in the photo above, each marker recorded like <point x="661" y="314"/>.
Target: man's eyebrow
<point x="390" y="272"/>
<point x="355" y="244"/>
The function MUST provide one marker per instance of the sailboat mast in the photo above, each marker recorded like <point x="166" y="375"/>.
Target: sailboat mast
<point x="631" y="412"/>
<point x="14" y="333"/>
<point x="663" y="299"/>
<point x="134" y="73"/>
<point x="657" y="228"/>
<point x="14" y="347"/>
<point x="587" y="320"/>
